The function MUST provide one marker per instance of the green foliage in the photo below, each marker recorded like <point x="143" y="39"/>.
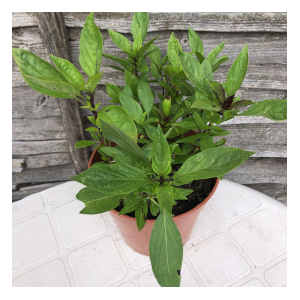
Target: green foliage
<point x="151" y="136"/>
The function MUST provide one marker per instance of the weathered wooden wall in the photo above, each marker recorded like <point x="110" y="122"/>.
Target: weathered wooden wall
<point x="39" y="137"/>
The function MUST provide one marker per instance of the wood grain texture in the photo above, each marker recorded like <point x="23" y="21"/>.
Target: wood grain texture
<point x="29" y="190"/>
<point x="274" y="190"/>
<point x="47" y="160"/>
<point x="232" y="22"/>
<point x="18" y="165"/>
<point x="267" y="54"/>
<point x="29" y="104"/>
<point x="45" y="175"/>
<point x="51" y="128"/>
<point x="53" y="32"/>
<point x="260" y="170"/>
<point x="39" y="147"/>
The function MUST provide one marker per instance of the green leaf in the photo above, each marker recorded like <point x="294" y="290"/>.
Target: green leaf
<point x="155" y="55"/>
<point x="29" y="64"/>
<point x="131" y="106"/>
<point x="240" y="104"/>
<point x="132" y="203"/>
<point x="192" y="138"/>
<point x="150" y="131"/>
<point x="120" y="40"/>
<point x="237" y="72"/>
<point x="186" y="148"/>
<point x="207" y="143"/>
<point x="180" y="159"/>
<point x="207" y="69"/>
<point x="92" y="129"/>
<point x="140" y="218"/>
<point x="161" y="155"/>
<point x="127" y="91"/>
<point x="199" y="121"/>
<point x="272" y="109"/>
<point x="173" y="50"/>
<point x="186" y="124"/>
<point x="144" y="48"/>
<point x="192" y="69"/>
<point x="68" y="70"/>
<point x="140" y="22"/>
<point x="195" y="41"/>
<point x="154" y="209"/>
<point x="90" y="47"/>
<point x="116" y="154"/>
<point x="200" y="57"/>
<point x="115" y="68"/>
<point x="97" y="202"/>
<point x="137" y="43"/>
<point x="145" y="95"/>
<point x="166" y="251"/>
<point x="155" y="71"/>
<point x="205" y="106"/>
<point x="210" y="163"/>
<point x="218" y="61"/>
<point x="70" y="89"/>
<point x="112" y="91"/>
<point x="132" y="81"/>
<point x="124" y="143"/>
<point x="180" y="194"/>
<point x="165" y="196"/>
<point x="218" y="90"/>
<point x="221" y="142"/>
<point x="118" y="117"/>
<point x="83" y="144"/>
<point x="112" y="179"/>
<point x="185" y="88"/>
<point x="147" y="150"/>
<point x="214" y="53"/>
<point x="121" y="61"/>
<point x="213" y="118"/>
<point x="93" y="82"/>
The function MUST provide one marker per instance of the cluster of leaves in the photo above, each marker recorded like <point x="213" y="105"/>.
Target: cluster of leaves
<point x="141" y="139"/>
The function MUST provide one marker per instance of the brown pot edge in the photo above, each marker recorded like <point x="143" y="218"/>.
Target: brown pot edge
<point x="174" y="218"/>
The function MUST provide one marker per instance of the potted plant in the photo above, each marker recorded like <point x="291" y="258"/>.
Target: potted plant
<point x="152" y="160"/>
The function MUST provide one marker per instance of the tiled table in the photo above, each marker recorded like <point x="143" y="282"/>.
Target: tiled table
<point x="239" y="240"/>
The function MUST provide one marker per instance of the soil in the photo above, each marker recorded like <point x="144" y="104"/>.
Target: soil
<point x="202" y="189"/>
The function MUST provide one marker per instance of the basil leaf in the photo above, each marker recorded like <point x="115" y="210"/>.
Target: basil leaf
<point x="145" y="95"/>
<point x="195" y="41"/>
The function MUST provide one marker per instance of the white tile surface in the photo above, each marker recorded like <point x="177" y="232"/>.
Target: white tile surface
<point x="74" y="227"/>
<point x="261" y="236"/>
<point x="229" y="203"/>
<point x="136" y="259"/>
<point x="40" y="234"/>
<point x="128" y="284"/>
<point x="97" y="264"/>
<point x="204" y="224"/>
<point x="111" y="219"/>
<point x="63" y="192"/>
<point x="277" y="276"/>
<point x="253" y="283"/>
<point x="218" y="262"/>
<point x="283" y="216"/>
<point x="32" y="241"/>
<point x="148" y="280"/>
<point x="50" y="275"/>
<point x="27" y="206"/>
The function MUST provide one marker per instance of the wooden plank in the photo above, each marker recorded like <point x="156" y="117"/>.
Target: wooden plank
<point x="15" y="187"/>
<point x="39" y="147"/>
<point x="29" y="104"/>
<point x="267" y="54"/>
<point x="267" y="140"/>
<point x="55" y="39"/>
<point x="260" y="170"/>
<point x="274" y="190"/>
<point x="38" y="129"/>
<point x="29" y="190"/>
<point x="18" y="165"/>
<point x="47" y="160"/>
<point x="53" y="173"/>
<point x="232" y="22"/>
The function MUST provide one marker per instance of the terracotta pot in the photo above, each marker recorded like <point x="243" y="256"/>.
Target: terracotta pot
<point x="139" y="241"/>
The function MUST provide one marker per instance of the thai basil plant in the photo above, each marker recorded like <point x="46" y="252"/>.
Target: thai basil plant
<point x="154" y="152"/>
